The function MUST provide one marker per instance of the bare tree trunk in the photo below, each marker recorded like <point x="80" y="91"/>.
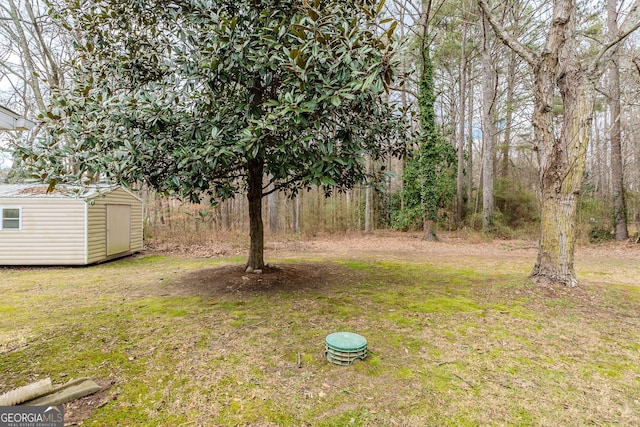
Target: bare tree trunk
<point x="563" y="159"/>
<point x="634" y="166"/>
<point x="334" y="216"/>
<point x="349" y="209"/>
<point x="272" y="204"/>
<point x="298" y="213"/>
<point x="461" y="125"/>
<point x="599" y="160"/>
<point x="469" y="142"/>
<point x="617" y="174"/>
<point x="224" y="215"/>
<point x="606" y="190"/>
<point x="401" y="166"/>
<point x="256" y="227"/>
<point x="295" y="214"/>
<point x="561" y="185"/>
<point x="320" y="214"/>
<point x="488" y="127"/>
<point x="506" y="145"/>
<point x="169" y="216"/>
<point x="160" y="208"/>
<point x="429" y="234"/>
<point x="368" y="202"/>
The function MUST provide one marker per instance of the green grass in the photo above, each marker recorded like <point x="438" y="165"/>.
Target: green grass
<point x="449" y="346"/>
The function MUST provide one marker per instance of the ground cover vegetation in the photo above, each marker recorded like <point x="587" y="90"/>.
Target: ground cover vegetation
<point x="454" y="340"/>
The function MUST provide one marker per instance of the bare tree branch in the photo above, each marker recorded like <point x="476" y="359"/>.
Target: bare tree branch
<point x="630" y="24"/>
<point x="52" y="69"/>
<point x="27" y="54"/>
<point x="405" y="90"/>
<point x="508" y="39"/>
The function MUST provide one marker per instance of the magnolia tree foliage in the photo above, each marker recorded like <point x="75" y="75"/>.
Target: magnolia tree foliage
<point x="207" y="97"/>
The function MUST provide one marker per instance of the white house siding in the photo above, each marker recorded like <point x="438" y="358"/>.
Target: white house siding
<point x="97" y="222"/>
<point x="53" y="232"/>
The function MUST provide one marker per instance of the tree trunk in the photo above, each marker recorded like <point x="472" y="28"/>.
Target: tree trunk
<point x="557" y="239"/>
<point x="160" y="208"/>
<point x="488" y="128"/>
<point x="368" y="202"/>
<point x="617" y="173"/>
<point x="600" y="159"/>
<point x="506" y="145"/>
<point x="272" y="203"/>
<point x="562" y="170"/>
<point x="256" y="228"/>
<point x="225" y="208"/>
<point x="461" y="126"/>
<point x="402" y="161"/>
<point x="469" y="143"/>
<point x="295" y="214"/>
<point x="429" y="231"/>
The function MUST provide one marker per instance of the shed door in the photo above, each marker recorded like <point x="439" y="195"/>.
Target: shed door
<point x="118" y="229"/>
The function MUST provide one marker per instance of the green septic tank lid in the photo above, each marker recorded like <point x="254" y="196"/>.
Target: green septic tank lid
<point x="346" y="341"/>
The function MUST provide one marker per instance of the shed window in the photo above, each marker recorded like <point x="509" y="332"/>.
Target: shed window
<point x="11" y="218"/>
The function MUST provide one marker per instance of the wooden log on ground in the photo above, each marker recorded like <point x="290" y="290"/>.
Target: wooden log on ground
<point x="28" y="392"/>
<point x="72" y="390"/>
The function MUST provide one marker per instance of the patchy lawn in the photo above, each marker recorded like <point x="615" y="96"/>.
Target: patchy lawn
<point x="458" y="336"/>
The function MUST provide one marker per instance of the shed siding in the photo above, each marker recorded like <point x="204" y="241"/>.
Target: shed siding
<point x="97" y="223"/>
<point x="52" y="233"/>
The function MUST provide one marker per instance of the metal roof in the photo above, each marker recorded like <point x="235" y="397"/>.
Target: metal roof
<point x="10" y="120"/>
<point x="39" y="191"/>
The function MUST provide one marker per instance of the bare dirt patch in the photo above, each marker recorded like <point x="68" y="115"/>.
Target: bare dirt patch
<point x="81" y="409"/>
<point x="283" y="278"/>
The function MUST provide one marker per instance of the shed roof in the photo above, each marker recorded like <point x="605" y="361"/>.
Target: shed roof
<point x="39" y="191"/>
<point x="10" y="120"/>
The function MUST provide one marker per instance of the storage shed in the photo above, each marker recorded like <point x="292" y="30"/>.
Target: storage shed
<point x="69" y="226"/>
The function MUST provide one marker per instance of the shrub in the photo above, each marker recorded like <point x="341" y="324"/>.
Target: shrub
<point x="517" y="205"/>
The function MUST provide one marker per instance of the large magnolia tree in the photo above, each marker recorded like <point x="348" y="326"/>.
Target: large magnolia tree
<point x="209" y="97"/>
<point x="563" y="70"/>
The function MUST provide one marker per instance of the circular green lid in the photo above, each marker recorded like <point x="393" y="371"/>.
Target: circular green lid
<point x="346" y="341"/>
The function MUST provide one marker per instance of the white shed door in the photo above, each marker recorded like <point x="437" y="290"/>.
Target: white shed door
<point x="118" y="229"/>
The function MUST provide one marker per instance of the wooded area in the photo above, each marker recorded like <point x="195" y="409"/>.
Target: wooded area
<point x="523" y="117"/>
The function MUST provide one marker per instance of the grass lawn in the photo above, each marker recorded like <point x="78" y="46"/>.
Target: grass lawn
<point x="195" y="342"/>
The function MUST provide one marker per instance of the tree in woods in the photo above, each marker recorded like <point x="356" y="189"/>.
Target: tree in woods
<point x="429" y="174"/>
<point x="489" y="83"/>
<point x="452" y="49"/>
<point x="617" y="174"/>
<point x="561" y="70"/>
<point x="462" y="102"/>
<point x="207" y="98"/>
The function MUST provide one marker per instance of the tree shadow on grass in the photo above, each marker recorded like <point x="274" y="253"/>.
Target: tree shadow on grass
<point x="231" y="280"/>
